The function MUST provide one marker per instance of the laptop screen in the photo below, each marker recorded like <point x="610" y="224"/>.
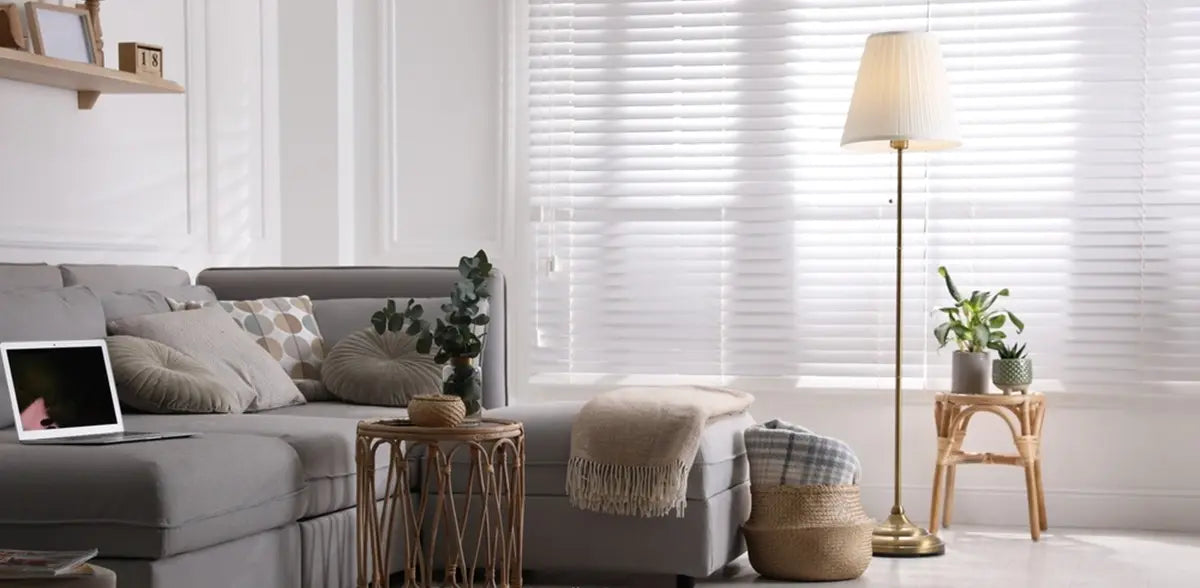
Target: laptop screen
<point x="61" y="387"/>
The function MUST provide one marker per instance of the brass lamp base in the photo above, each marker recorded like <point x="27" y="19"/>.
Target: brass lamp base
<point x="899" y="537"/>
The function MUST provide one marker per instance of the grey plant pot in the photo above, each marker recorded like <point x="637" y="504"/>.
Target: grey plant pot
<point x="1012" y="375"/>
<point x="971" y="373"/>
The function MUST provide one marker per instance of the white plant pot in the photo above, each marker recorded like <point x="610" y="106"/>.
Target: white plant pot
<point x="971" y="373"/>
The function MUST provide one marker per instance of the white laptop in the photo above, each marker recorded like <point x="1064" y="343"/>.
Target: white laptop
<point x="62" y="393"/>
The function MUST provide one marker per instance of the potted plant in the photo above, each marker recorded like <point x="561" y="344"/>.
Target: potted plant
<point x="458" y="335"/>
<point x="1013" y="371"/>
<point x="976" y="326"/>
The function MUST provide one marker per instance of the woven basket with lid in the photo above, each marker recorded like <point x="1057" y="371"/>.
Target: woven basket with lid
<point x="808" y="533"/>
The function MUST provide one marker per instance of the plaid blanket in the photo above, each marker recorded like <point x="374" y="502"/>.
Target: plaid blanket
<point x="783" y="454"/>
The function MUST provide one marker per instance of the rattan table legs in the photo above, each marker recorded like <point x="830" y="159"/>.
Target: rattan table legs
<point x="466" y="519"/>
<point x="1024" y="415"/>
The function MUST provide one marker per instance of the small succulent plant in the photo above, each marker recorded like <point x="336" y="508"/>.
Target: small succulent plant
<point x="1013" y="351"/>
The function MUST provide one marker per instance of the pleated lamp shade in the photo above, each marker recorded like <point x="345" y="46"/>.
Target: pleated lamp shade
<point x="901" y="93"/>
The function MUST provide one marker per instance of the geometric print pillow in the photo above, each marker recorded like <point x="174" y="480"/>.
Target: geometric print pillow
<point x="285" y="327"/>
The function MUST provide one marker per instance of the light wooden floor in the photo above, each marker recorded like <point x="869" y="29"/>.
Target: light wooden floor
<point x="997" y="558"/>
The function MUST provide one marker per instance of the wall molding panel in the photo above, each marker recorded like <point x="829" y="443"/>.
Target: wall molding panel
<point x="437" y="153"/>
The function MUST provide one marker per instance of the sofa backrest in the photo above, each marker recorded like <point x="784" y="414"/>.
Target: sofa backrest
<point x="14" y="276"/>
<point x="345" y="297"/>
<point x="54" y="302"/>
<point x="123" y="277"/>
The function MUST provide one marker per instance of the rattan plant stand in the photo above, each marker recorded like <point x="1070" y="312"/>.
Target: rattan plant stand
<point x="469" y="524"/>
<point x="1023" y="413"/>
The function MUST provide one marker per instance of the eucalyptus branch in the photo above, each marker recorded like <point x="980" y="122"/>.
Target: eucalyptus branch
<point x="462" y="330"/>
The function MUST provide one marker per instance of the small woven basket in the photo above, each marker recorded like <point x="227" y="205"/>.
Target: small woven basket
<point x="436" y="410"/>
<point x="810" y="533"/>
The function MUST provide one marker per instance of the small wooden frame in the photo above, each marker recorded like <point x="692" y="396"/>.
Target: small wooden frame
<point x="140" y="58"/>
<point x="12" y="32"/>
<point x="52" y="38"/>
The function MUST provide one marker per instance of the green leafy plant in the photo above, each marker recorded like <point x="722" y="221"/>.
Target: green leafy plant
<point x="1013" y="351"/>
<point x="460" y="333"/>
<point x="973" y="322"/>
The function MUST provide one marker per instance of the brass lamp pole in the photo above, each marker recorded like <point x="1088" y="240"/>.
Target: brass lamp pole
<point x="898" y="536"/>
<point x="901" y="102"/>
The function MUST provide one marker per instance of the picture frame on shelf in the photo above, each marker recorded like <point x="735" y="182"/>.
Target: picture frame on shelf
<point x="12" y="30"/>
<point x="62" y="32"/>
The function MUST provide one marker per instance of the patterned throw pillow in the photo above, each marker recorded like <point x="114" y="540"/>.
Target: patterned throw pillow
<point x="285" y="327"/>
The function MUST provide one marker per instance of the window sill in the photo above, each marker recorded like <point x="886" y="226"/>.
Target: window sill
<point x="823" y="391"/>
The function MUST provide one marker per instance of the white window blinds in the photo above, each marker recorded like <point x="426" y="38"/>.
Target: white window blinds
<point x="696" y="216"/>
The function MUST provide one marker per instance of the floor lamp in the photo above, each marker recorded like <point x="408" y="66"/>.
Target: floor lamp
<point x="901" y="102"/>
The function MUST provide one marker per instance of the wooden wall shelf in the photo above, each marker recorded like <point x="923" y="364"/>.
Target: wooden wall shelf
<point x="90" y="81"/>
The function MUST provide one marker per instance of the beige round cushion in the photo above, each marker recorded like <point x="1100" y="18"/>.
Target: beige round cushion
<point x="384" y="370"/>
<point x="152" y="377"/>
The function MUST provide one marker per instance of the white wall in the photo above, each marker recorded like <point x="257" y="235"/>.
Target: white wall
<point x="308" y="69"/>
<point x="189" y="180"/>
<point x="444" y="96"/>
<point x="391" y="131"/>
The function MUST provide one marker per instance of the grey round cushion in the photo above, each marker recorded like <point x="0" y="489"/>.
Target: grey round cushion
<point x="385" y="370"/>
<point x="152" y="377"/>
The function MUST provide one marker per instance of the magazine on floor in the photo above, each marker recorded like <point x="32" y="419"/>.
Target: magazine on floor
<point x="20" y="563"/>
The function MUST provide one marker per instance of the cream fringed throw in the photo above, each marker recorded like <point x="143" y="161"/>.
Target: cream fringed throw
<point x="632" y="448"/>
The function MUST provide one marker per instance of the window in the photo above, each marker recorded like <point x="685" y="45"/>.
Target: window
<point x="695" y="215"/>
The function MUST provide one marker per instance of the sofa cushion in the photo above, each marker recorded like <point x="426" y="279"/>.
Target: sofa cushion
<point x="283" y="326"/>
<point x="334" y="284"/>
<point x="147" y="500"/>
<point x="152" y="377"/>
<point x="213" y="339"/>
<point x="335" y="409"/>
<point x="119" y="304"/>
<point x="386" y="370"/>
<point x="325" y="447"/>
<point x="720" y="462"/>
<point x="123" y="277"/>
<point x="46" y="315"/>
<point x="313" y="390"/>
<point x="29" y="275"/>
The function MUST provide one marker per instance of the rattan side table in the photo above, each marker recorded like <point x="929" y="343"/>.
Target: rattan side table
<point x="1023" y="413"/>
<point x="477" y="529"/>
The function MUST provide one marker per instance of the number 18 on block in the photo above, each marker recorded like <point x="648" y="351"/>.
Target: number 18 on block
<point x="140" y="58"/>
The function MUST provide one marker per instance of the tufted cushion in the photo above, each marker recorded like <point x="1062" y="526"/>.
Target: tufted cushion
<point x="152" y="377"/>
<point x="368" y="368"/>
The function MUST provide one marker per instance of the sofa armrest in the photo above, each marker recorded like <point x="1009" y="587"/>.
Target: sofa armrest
<point x="332" y="283"/>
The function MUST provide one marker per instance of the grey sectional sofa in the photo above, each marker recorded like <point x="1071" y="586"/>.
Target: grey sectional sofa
<point x="267" y="499"/>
